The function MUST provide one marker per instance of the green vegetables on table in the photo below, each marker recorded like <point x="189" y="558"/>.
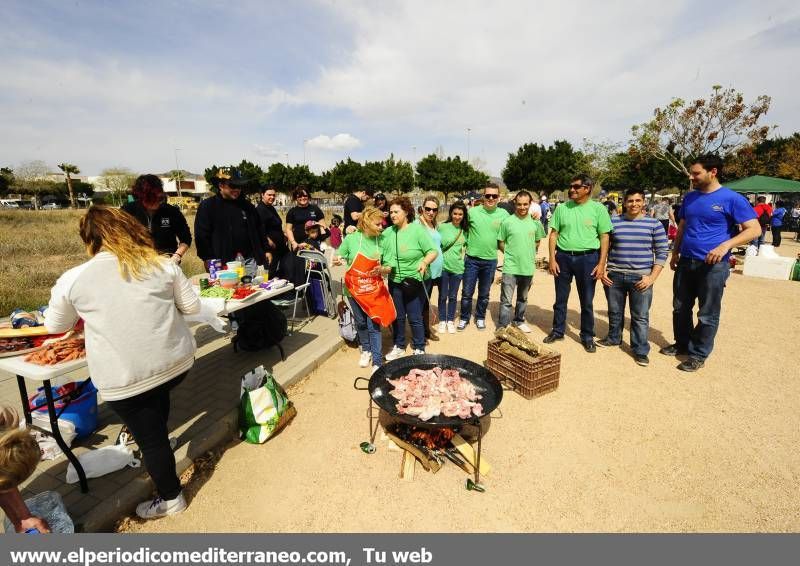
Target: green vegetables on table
<point x="217" y="293"/>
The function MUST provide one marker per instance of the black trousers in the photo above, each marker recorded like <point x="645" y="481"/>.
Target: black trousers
<point x="776" y="236"/>
<point x="146" y="416"/>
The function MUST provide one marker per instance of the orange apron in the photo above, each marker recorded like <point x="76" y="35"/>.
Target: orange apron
<point x="369" y="291"/>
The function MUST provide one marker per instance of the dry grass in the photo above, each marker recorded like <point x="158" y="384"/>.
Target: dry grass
<point x="36" y="247"/>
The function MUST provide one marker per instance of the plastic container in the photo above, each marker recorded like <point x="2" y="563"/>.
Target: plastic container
<point x="81" y="411"/>
<point x="228" y="279"/>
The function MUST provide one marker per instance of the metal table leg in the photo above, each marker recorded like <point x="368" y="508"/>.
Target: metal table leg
<point x="54" y="429"/>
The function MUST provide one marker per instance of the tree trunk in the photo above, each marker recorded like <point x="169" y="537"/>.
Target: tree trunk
<point x="69" y="188"/>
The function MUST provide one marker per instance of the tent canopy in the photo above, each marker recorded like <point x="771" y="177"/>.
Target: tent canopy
<point x="766" y="185"/>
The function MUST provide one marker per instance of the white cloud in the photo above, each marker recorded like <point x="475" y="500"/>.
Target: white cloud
<point x="339" y="142"/>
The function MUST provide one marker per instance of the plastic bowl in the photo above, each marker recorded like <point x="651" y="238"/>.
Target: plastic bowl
<point x="228" y="283"/>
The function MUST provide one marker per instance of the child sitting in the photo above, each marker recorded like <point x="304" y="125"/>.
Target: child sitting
<point x="315" y="233"/>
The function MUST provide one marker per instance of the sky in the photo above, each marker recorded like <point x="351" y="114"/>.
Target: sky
<point x="139" y="84"/>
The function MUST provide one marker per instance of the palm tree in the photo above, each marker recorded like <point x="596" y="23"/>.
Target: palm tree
<point x="69" y="168"/>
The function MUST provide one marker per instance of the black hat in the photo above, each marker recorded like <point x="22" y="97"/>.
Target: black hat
<point x="230" y="175"/>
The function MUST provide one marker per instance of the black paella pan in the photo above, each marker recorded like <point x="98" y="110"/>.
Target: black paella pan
<point x="486" y="385"/>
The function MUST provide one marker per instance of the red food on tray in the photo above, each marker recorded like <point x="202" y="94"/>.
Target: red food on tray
<point x="242" y="293"/>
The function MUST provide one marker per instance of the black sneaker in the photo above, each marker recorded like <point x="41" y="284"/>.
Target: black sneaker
<point x="643" y="361"/>
<point x="552" y="337"/>
<point x="605" y="343"/>
<point x="589" y="346"/>
<point x="692" y="364"/>
<point x="673" y="350"/>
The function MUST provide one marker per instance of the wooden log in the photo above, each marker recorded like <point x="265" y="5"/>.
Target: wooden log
<point x="466" y="450"/>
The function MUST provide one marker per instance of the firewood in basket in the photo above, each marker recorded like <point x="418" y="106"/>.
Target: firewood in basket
<point x="507" y="348"/>
<point x="517" y="338"/>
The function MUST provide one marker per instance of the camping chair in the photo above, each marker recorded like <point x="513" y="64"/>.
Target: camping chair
<point x="316" y="263"/>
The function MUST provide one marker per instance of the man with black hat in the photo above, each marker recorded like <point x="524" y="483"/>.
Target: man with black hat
<point x="227" y="224"/>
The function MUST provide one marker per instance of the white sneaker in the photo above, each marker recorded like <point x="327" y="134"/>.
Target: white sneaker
<point x="161" y="508"/>
<point x="395" y="353"/>
<point x="480" y="324"/>
<point x="417" y="352"/>
<point x="462" y="324"/>
<point x="442" y="327"/>
<point x="365" y="359"/>
<point x="374" y="369"/>
<point x="524" y="328"/>
<point x="451" y="327"/>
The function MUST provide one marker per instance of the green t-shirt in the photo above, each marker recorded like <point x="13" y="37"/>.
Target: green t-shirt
<point x="579" y="225"/>
<point x="355" y="243"/>
<point x="412" y="243"/>
<point x="483" y="229"/>
<point x="520" y="236"/>
<point x="454" y="256"/>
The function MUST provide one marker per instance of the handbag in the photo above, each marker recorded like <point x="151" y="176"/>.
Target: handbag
<point x="410" y="286"/>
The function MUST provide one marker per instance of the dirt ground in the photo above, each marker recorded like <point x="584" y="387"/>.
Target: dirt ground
<point x="616" y="447"/>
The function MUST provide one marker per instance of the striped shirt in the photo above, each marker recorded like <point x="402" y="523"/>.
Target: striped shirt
<point x="636" y="245"/>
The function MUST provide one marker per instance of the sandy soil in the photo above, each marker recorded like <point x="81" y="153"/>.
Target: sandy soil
<point x="616" y="447"/>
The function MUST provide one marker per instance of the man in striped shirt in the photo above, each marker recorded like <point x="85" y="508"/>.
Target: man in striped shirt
<point x="638" y="252"/>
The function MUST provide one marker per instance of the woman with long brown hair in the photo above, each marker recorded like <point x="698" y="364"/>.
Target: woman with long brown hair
<point x="138" y="346"/>
<point x="408" y="250"/>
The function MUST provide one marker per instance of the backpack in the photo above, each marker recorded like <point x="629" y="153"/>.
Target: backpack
<point x="260" y="326"/>
<point x="347" y="323"/>
<point x="763" y="220"/>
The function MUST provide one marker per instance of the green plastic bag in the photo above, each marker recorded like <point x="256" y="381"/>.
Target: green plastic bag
<point x="264" y="407"/>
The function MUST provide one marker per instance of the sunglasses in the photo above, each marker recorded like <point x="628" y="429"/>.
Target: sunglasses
<point x="302" y="196"/>
<point x="427" y="209"/>
<point x="491" y="197"/>
<point x="577" y="186"/>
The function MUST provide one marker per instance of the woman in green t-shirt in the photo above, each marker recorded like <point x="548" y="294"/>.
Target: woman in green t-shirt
<point x="427" y="218"/>
<point x="366" y="240"/>
<point x="408" y="250"/>
<point x="454" y="239"/>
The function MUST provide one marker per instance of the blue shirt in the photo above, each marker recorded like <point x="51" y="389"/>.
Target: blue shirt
<point x="777" y="217"/>
<point x="636" y="245"/>
<point x="710" y="219"/>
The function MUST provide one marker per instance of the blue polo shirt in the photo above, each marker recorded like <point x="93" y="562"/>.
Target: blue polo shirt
<point x="710" y="219"/>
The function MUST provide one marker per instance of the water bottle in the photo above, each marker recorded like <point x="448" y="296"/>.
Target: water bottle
<point x="240" y="258"/>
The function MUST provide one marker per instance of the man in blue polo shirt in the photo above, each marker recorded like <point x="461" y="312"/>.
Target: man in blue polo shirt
<point x="707" y="223"/>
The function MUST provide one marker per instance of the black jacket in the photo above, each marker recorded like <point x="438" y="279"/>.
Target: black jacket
<point x="273" y="226"/>
<point x="167" y="225"/>
<point x="213" y="232"/>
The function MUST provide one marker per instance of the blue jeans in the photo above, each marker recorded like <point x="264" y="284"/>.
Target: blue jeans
<point x="696" y="280"/>
<point x="369" y="333"/>
<point x="580" y="267"/>
<point x="410" y="308"/>
<point x="760" y="240"/>
<point x="639" y="301"/>
<point x="508" y="282"/>
<point x="480" y="271"/>
<point x="426" y="306"/>
<point x="448" y="295"/>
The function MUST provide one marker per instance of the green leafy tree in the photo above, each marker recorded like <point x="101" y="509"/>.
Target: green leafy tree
<point x="634" y="169"/>
<point x="448" y="175"/>
<point x="177" y="176"/>
<point x="722" y="124"/>
<point x="302" y="176"/>
<point x="6" y="180"/>
<point x="537" y="167"/>
<point x="345" y="177"/>
<point x="70" y="169"/>
<point x="398" y="176"/>
<point x="30" y="177"/>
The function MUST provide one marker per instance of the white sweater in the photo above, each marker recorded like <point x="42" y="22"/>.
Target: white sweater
<point x="135" y="337"/>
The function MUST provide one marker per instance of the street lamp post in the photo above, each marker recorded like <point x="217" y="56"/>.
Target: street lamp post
<point x="414" y="168"/>
<point x="468" y="131"/>
<point x="178" y="176"/>
<point x="304" y="152"/>
<point x="287" y="159"/>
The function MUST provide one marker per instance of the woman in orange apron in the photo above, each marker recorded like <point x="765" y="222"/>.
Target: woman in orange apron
<point x="369" y="299"/>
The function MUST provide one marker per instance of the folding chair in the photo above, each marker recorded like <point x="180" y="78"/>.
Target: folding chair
<point x="318" y="264"/>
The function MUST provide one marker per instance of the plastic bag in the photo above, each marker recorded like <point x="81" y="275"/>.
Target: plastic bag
<point x="103" y="461"/>
<point x="264" y="407"/>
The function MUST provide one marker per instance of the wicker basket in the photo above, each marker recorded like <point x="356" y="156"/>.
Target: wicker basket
<point x="529" y="380"/>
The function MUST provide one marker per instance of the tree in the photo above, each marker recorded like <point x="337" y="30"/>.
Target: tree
<point x="398" y="176"/>
<point x="634" y="169"/>
<point x="602" y="160"/>
<point x="723" y="124"/>
<point x="31" y="178"/>
<point x="345" y="177"/>
<point x="538" y="167"/>
<point x="70" y="169"/>
<point x="789" y="165"/>
<point x="177" y="176"/>
<point x="6" y="180"/>
<point x="117" y="181"/>
<point x="448" y="175"/>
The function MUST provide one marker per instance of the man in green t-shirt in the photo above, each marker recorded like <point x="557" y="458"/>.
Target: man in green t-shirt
<point x="578" y="248"/>
<point x="518" y="239"/>
<point x="480" y="262"/>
